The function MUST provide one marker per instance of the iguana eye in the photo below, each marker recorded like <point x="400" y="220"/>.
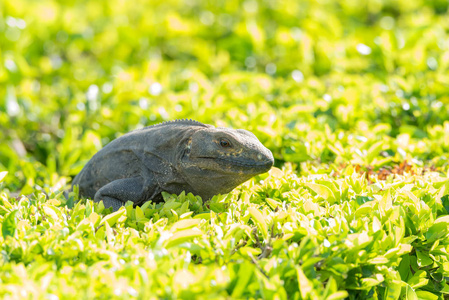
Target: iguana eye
<point x="225" y="143"/>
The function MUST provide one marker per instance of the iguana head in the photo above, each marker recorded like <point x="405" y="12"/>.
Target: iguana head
<point x="216" y="160"/>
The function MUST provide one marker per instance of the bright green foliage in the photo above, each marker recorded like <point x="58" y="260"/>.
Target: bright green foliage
<point x="280" y="238"/>
<point x="351" y="97"/>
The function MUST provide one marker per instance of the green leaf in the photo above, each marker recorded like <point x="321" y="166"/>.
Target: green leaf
<point x="304" y="285"/>
<point x="139" y="214"/>
<point x="410" y="293"/>
<point x="393" y="290"/>
<point x="445" y="202"/>
<point x="3" y="175"/>
<point x="259" y="220"/>
<point x="438" y="230"/>
<point x="323" y="191"/>
<point x="182" y="236"/>
<point x="373" y="151"/>
<point x="111" y="219"/>
<point x="378" y="260"/>
<point x="366" y="283"/>
<point x="338" y="295"/>
<point x="404" y="268"/>
<point x="9" y="224"/>
<point x="184" y="224"/>
<point x="423" y="259"/>
<point x="424" y="295"/>
<point x="273" y="203"/>
<point x="244" y="275"/>
<point x="205" y="216"/>
<point x="418" y="280"/>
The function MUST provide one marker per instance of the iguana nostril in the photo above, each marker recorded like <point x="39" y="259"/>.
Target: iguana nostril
<point x="259" y="156"/>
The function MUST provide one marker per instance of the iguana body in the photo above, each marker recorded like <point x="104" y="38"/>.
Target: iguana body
<point x="176" y="156"/>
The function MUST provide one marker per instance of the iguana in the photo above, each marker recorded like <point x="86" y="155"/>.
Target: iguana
<point x="174" y="156"/>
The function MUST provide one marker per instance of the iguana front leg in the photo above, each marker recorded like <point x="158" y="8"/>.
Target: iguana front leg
<point x="116" y="193"/>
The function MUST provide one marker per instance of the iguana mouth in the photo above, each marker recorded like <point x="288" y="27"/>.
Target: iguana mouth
<point x="259" y="166"/>
<point x="246" y="163"/>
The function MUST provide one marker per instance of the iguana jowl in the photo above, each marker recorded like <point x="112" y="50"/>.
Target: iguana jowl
<point x="175" y="156"/>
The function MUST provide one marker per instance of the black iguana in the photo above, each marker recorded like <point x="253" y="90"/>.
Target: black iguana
<point x="174" y="156"/>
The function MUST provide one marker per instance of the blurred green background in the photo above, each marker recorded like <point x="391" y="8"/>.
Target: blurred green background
<point x="334" y="82"/>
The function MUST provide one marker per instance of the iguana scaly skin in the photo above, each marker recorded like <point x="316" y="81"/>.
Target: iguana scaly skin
<point x="175" y="156"/>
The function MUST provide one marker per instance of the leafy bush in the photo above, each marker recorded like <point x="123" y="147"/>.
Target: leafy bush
<point x="351" y="97"/>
